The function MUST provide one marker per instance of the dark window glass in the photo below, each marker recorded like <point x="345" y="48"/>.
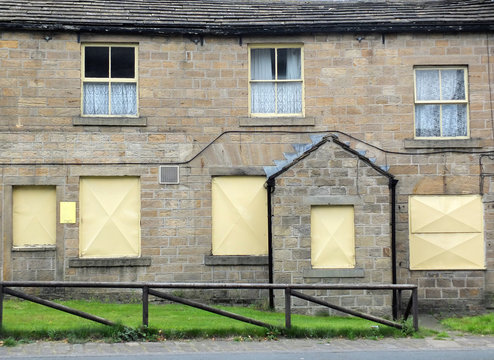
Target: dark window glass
<point x="122" y="62"/>
<point x="96" y="61"/>
<point x="289" y="64"/>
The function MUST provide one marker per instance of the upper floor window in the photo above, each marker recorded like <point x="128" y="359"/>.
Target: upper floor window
<point x="109" y="80"/>
<point x="441" y="105"/>
<point x="276" y="80"/>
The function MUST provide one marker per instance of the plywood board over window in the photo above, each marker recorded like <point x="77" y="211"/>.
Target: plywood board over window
<point x="109" y="217"/>
<point x="446" y="232"/>
<point x="332" y="237"/>
<point x="239" y="215"/>
<point x="34" y="215"/>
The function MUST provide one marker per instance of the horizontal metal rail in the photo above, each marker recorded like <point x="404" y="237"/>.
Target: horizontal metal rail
<point x="137" y="285"/>
<point x="147" y="289"/>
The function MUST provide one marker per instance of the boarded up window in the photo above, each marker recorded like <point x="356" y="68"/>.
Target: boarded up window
<point x="332" y="236"/>
<point x="109" y="217"/>
<point x="34" y="215"/>
<point x="240" y="219"/>
<point x="446" y="232"/>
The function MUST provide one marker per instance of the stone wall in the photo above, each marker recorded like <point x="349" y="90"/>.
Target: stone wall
<point x="191" y="93"/>
<point x="333" y="175"/>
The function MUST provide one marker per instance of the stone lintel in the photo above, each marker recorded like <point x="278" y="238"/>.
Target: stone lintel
<point x="332" y="200"/>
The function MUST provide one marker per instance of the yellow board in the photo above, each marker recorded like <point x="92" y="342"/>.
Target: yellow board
<point x="239" y="215"/>
<point x="34" y="215"/>
<point x="332" y="237"/>
<point x="446" y="213"/>
<point x="446" y="232"/>
<point x="67" y="212"/>
<point x="109" y="217"/>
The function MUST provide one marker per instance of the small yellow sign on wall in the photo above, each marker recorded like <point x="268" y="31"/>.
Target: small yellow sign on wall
<point x="67" y="212"/>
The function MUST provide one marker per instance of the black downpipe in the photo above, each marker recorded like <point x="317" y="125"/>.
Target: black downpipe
<point x="270" y="190"/>
<point x="392" y="186"/>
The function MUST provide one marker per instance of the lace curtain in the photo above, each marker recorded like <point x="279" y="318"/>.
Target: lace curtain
<point x="123" y="99"/>
<point x="273" y="97"/>
<point x="434" y="120"/>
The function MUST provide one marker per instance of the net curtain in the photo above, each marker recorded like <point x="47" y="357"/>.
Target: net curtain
<point x="272" y="97"/>
<point x="435" y="85"/>
<point x="123" y="99"/>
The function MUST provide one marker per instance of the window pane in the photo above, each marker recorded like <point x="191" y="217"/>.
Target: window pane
<point x="96" y="61"/>
<point x="122" y="62"/>
<point x="454" y="120"/>
<point x="289" y="98"/>
<point x="262" y="64"/>
<point x="263" y="98"/>
<point x="123" y="99"/>
<point x="427" y="84"/>
<point x="452" y="85"/>
<point x="427" y="120"/>
<point x="95" y="99"/>
<point x="289" y="64"/>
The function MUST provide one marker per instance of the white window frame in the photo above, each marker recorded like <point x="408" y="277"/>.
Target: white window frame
<point x="109" y="79"/>
<point x="441" y="102"/>
<point x="276" y="80"/>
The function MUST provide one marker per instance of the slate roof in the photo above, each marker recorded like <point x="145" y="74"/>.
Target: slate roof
<point x="239" y="17"/>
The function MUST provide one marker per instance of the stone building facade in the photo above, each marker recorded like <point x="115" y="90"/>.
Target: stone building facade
<point x="194" y="112"/>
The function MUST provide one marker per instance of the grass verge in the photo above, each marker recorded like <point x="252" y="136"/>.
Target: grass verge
<point x="480" y="325"/>
<point x="25" y="321"/>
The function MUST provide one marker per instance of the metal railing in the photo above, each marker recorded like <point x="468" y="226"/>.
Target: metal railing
<point x="290" y="290"/>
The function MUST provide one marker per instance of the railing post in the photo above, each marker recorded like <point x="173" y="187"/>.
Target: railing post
<point x="398" y="304"/>
<point x="415" y="309"/>
<point x="288" y="308"/>
<point x="145" y="306"/>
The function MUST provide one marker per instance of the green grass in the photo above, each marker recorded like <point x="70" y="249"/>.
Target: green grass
<point x="26" y="321"/>
<point x="481" y="325"/>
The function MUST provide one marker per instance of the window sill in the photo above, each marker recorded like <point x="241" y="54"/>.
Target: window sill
<point x="109" y="262"/>
<point x="334" y="273"/>
<point x="34" y="248"/>
<point x="235" y="260"/>
<point x="236" y="171"/>
<point x="441" y="144"/>
<point x="277" y="121"/>
<point x="109" y="121"/>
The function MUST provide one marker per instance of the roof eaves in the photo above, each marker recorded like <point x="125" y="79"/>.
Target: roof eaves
<point x="253" y="29"/>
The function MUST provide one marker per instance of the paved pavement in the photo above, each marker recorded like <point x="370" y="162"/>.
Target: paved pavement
<point x="51" y="349"/>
